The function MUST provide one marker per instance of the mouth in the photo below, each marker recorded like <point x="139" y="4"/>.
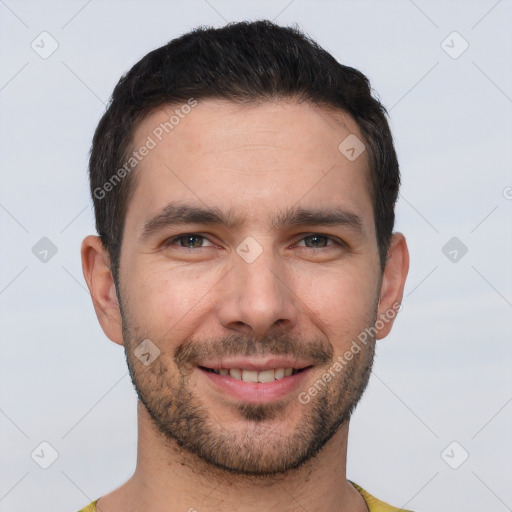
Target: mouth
<point x="253" y="386"/>
<point x="249" y="375"/>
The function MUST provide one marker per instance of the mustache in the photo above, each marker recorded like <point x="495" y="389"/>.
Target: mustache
<point x="192" y="352"/>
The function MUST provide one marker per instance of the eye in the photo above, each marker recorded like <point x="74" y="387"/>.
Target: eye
<point x="196" y="241"/>
<point x="188" y="241"/>
<point x="319" y="241"/>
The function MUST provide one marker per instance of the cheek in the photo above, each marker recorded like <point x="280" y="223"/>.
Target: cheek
<point x="163" y="297"/>
<point x="340" y="302"/>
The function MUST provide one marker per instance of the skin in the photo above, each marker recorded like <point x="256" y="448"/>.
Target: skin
<point x="301" y="296"/>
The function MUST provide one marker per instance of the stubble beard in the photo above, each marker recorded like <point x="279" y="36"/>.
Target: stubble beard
<point x="260" y="447"/>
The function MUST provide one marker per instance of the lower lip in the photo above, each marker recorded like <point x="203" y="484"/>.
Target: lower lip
<point x="256" y="392"/>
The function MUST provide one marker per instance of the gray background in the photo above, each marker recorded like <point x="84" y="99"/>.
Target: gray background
<point x="444" y="373"/>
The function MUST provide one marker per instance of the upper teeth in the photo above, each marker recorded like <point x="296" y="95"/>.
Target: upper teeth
<point x="255" y="376"/>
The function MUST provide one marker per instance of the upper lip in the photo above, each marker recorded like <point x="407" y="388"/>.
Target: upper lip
<point x="259" y="365"/>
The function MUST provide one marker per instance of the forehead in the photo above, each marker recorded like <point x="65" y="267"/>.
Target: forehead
<point x="252" y="159"/>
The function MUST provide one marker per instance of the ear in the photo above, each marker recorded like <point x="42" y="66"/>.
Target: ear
<point x="97" y="273"/>
<point x="392" y="285"/>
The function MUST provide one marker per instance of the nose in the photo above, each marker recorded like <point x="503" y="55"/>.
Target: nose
<point x="256" y="297"/>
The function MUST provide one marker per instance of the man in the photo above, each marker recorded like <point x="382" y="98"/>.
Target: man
<point x="244" y="185"/>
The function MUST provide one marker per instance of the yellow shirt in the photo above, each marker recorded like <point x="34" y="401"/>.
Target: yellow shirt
<point x="373" y="504"/>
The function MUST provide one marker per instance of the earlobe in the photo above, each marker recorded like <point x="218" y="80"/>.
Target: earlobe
<point x="97" y="273"/>
<point x="392" y="285"/>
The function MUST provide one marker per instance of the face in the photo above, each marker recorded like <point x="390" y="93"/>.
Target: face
<point x="249" y="245"/>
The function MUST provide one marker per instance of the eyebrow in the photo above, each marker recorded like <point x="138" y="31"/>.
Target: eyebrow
<point x="176" y="213"/>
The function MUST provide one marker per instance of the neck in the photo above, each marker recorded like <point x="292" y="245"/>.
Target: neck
<point x="168" y="478"/>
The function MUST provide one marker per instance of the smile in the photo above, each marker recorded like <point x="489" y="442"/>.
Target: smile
<point x="255" y="386"/>
<point x="248" y="375"/>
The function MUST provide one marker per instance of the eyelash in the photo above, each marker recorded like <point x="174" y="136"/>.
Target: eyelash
<point x="336" y="241"/>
